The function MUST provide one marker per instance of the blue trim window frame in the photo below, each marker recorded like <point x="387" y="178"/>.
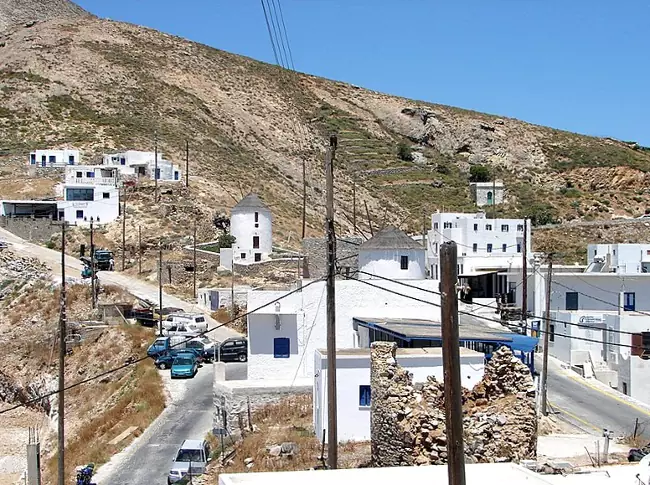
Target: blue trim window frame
<point x="629" y="301"/>
<point x="281" y="347"/>
<point x="80" y="214"/>
<point x="571" y="302"/>
<point x="364" y="396"/>
<point x="489" y="248"/>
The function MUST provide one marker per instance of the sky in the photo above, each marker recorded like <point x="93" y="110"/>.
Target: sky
<point x="577" y="65"/>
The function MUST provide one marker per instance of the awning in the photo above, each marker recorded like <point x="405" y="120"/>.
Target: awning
<point x="476" y="273"/>
<point x="523" y="343"/>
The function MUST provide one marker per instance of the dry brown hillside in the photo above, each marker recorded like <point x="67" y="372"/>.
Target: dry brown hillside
<point x="100" y="85"/>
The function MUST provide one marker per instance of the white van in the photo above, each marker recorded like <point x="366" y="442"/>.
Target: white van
<point x="182" y="329"/>
<point x="196" y="321"/>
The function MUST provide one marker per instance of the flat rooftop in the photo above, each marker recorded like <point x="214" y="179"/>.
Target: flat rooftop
<point x="401" y="353"/>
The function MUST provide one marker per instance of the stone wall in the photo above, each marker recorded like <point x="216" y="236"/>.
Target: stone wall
<point x="182" y="272"/>
<point x="408" y="425"/>
<point x="315" y="252"/>
<point x="34" y="230"/>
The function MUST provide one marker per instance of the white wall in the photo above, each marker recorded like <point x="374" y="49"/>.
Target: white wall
<point x="211" y="299"/>
<point x="91" y="174"/>
<point x="352" y="372"/>
<point x="243" y="227"/>
<point x="225" y="258"/>
<point x="353" y="299"/>
<point x="128" y="163"/>
<point x="387" y="264"/>
<point x="603" y="290"/>
<point x="61" y="158"/>
<point x="102" y="210"/>
<point x="624" y="258"/>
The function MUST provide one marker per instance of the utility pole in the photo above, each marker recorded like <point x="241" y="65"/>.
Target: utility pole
<point x="62" y="350"/>
<point x="424" y="228"/>
<point x="187" y="163"/>
<point x="139" y="249"/>
<point x="332" y="432"/>
<point x="155" y="172"/>
<point x="304" y="196"/>
<point x="451" y="363"/>
<point x="160" y="288"/>
<point x="494" y="198"/>
<point x="124" y="229"/>
<point x="354" y="207"/>
<point x="547" y="326"/>
<point x="369" y="221"/>
<point x="92" y="265"/>
<point x="232" y="284"/>
<point x="194" y="256"/>
<point x="524" y="281"/>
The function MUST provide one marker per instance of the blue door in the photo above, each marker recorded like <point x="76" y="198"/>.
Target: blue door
<point x="214" y="300"/>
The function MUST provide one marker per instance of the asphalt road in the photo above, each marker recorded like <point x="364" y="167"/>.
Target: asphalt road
<point x="591" y="408"/>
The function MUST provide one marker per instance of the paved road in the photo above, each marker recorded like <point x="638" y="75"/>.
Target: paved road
<point x="591" y="408"/>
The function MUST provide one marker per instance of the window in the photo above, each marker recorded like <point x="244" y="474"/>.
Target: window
<point x="106" y="195"/>
<point x="488" y="227"/>
<point x="243" y="255"/>
<point x="258" y="257"/>
<point x="79" y="194"/>
<point x="281" y="347"/>
<point x="158" y="174"/>
<point x="504" y="248"/>
<point x="90" y="175"/>
<point x="257" y="217"/>
<point x="32" y="158"/>
<point x="518" y="247"/>
<point x="122" y="161"/>
<point x="435" y="226"/>
<point x="551" y="332"/>
<point x="364" y="396"/>
<point x="629" y="302"/>
<point x="520" y="227"/>
<point x="256" y="242"/>
<point x="505" y="228"/>
<point x="489" y="248"/>
<point x="175" y="174"/>
<point x="571" y="301"/>
<point x="476" y="227"/>
<point x="474" y="247"/>
<point x="80" y="214"/>
<point x="70" y="159"/>
<point x="447" y="225"/>
<point x="404" y="262"/>
<point x="52" y="158"/>
<point x="80" y="174"/>
<point x="614" y="252"/>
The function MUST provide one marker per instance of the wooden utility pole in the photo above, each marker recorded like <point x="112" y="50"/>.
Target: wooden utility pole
<point x="62" y="350"/>
<point x="524" y="281"/>
<point x="369" y="221"/>
<point x="304" y="196"/>
<point x="187" y="163"/>
<point x="160" y="289"/>
<point x="139" y="249"/>
<point x="124" y="229"/>
<point x="547" y="331"/>
<point x="194" y="257"/>
<point x="354" y="207"/>
<point x="332" y="432"/>
<point x="451" y="363"/>
<point x="232" y="283"/>
<point x="155" y="171"/>
<point x="424" y="228"/>
<point x="92" y="264"/>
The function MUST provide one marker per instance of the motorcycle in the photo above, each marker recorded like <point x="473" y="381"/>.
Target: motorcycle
<point x="85" y="474"/>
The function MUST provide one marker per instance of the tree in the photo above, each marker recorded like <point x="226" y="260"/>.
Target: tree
<point x="404" y="152"/>
<point x="226" y="240"/>
<point x="221" y="222"/>
<point x="479" y="173"/>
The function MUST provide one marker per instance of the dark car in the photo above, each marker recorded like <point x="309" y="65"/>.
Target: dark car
<point x="233" y="349"/>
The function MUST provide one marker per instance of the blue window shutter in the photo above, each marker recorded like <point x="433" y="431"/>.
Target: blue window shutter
<point x="364" y="396"/>
<point x="281" y="347"/>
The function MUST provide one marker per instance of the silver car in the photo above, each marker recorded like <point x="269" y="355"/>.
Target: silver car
<point x="194" y="453"/>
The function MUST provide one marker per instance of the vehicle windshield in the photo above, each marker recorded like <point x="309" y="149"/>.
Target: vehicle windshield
<point x="182" y="361"/>
<point x="189" y="455"/>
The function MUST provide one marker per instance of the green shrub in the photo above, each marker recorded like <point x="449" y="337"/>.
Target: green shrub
<point x="570" y="192"/>
<point x="226" y="240"/>
<point x="404" y="152"/>
<point x="479" y="173"/>
<point x="540" y="213"/>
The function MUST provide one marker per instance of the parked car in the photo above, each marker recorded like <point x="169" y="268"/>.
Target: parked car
<point x="184" y="365"/>
<point x="166" y="311"/>
<point x="207" y="347"/>
<point x="165" y="360"/>
<point x="233" y="349"/>
<point x="194" y="320"/>
<point x="162" y="344"/>
<point x="104" y="260"/>
<point x="196" y="452"/>
<point x="181" y="329"/>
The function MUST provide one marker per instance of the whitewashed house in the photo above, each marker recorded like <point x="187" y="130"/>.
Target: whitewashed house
<point x="489" y="250"/>
<point x="137" y="164"/>
<point x="212" y="299"/>
<point x="392" y="254"/>
<point x="92" y="175"/>
<point x="487" y="193"/>
<point x="54" y="158"/>
<point x="86" y="202"/>
<point x="251" y="224"/>
<point x="353" y="384"/>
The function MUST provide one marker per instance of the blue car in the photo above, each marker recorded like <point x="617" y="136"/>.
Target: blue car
<point x="165" y="360"/>
<point x="184" y="365"/>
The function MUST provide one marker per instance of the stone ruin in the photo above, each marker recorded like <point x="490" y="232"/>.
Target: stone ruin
<point x="408" y="424"/>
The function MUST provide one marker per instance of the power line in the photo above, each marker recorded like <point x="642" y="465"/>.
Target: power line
<point x="268" y="27"/>
<point x="278" y="32"/>
<point x="284" y="28"/>
<point x="136" y="361"/>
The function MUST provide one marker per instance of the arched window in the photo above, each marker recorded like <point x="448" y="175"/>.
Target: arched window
<point x="489" y="197"/>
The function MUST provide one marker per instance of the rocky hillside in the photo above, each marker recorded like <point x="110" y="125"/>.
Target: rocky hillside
<point x="15" y="12"/>
<point x="100" y="85"/>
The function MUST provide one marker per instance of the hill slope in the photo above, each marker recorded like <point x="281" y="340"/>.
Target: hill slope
<point x="100" y="85"/>
<point x="13" y="12"/>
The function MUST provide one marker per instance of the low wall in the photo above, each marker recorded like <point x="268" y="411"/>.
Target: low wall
<point x="231" y="399"/>
<point x="34" y="230"/>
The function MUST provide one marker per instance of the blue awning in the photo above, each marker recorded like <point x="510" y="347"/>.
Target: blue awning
<point x="523" y="343"/>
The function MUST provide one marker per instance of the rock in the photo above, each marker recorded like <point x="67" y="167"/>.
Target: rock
<point x="275" y="450"/>
<point x="248" y="460"/>
<point x="289" y="448"/>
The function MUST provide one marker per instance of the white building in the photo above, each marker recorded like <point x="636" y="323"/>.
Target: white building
<point x="283" y="337"/>
<point x="54" y="158"/>
<point x="212" y="299"/>
<point x="251" y="224"/>
<point x="133" y="163"/>
<point x="392" y="254"/>
<point x="487" y="193"/>
<point x="92" y="175"/>
<point x="618" y="258"/>
<point x="488" y="249"/>
<point x="353" y="384"/>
